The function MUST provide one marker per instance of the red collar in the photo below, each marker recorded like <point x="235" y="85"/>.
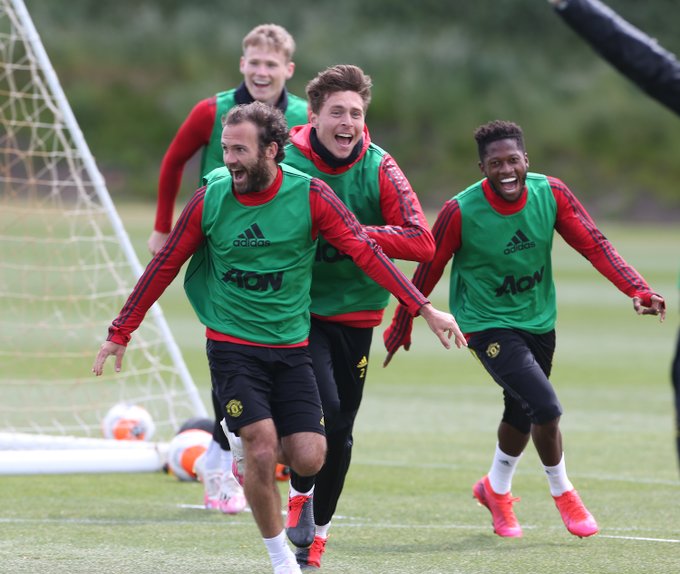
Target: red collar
<point x="501" y="205"/>
<point x="262" y="196"/>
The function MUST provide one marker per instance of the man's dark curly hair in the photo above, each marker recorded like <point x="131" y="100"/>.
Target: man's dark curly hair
<point x="497" y="130"/>
<point x="270" y="121"/>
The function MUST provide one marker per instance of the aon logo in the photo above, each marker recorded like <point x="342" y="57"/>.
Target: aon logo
<point x="513" y="285"/>
<point x="254" y="281"/>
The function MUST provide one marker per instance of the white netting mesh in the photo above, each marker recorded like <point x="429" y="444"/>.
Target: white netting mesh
<point x="64" y="269"/>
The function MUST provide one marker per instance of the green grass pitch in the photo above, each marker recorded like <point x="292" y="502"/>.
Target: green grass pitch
<point x="425" y="433"/>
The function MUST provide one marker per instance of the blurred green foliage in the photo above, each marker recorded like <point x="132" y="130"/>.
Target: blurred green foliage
<point x="132" y="70"/>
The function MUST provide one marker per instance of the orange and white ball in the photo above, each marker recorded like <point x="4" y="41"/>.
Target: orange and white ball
<point x="128" y="422"/>
<point x="183" y="451"/>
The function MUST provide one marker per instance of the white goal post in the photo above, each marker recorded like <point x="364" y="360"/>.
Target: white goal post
<point x="66" y="266"/>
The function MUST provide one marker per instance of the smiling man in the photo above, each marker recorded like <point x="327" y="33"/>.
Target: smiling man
<point x="499" y="233"/>
<point x="336" y="147"/>
<point x="266" y="66"/>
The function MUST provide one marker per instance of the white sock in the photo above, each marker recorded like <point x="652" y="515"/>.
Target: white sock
<point x="557" y="478"/>
<point x="234" y="441"/>
<point x="292" y="492"/>
<point x="502" y="470"/>
<point x="212" y="458"/>
<point x="322" y="530"/>
<point x="278" y="549"/>
<point x="226" y="457"/>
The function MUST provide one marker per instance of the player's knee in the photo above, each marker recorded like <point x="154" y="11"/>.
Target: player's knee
<point x="549" y="414"/>
<point x="308" y="461"/>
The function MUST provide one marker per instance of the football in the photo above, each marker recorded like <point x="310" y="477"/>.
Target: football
<point x="198" y="423"/>
<point x="184" y="450"/>
<point x="124" y="421"/>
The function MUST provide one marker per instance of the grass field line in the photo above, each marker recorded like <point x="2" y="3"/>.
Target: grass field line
<point x="520" y="472"/>
<point x="639" y="538"/>
<point x="339" y="522"/>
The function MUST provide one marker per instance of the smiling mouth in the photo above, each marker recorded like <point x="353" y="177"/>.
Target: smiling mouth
<point x="237" y="175"/>
<point x="343" y="139"/>
<point x="509" y="183"/>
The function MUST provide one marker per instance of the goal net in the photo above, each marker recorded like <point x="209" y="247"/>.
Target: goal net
<point x="66" y="267"/>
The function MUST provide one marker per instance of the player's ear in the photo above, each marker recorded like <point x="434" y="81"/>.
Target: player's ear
<point x="271" y="150"/>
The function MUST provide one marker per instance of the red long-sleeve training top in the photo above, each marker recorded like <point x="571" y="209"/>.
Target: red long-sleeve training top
<point x="572" y="222"/>
<point x="330" y="217"/>
<point x="193" y="135"/>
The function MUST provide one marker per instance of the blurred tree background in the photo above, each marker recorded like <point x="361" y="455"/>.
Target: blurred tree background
<point x="132" y="70"/>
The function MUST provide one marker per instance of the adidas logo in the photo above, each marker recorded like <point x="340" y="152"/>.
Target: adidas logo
<point x="363" y="363"/>
<point x="518" y="242"/>
<point x="252" y="237"/>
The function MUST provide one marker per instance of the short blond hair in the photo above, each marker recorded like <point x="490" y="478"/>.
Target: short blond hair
<point x="272" y="36"/>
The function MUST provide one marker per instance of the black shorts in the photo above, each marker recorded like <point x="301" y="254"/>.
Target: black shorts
<point x="520" y="362"/>
<point x="257" y="383"/>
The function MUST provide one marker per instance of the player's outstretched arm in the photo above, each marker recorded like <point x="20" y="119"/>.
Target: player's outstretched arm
<point x="634" y="53"/>
<point x="657" y="306"/>
<point x="108" y="348"/>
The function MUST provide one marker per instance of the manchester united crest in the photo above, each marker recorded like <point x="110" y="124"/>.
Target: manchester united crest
<point x="234" y="408"/>
<point x="493" y="350"/>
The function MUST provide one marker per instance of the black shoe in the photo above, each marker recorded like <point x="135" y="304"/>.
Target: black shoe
<point x="300" y="521"/>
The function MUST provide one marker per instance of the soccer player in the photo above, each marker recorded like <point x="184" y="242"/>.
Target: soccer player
<point x="336" y="147"/>
<point x="252" y="294"/>
<point x="266" y="65"/>
<point x="640" y="58"/>
<point x="499" y="232"/>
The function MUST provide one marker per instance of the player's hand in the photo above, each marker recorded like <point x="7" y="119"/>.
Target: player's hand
<point x="156" y="241"/>
<point x="657" y="306"/>
<point x="108" y="348"/>
<point x="390" y="354"/>
<point x="443" y="325"/>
